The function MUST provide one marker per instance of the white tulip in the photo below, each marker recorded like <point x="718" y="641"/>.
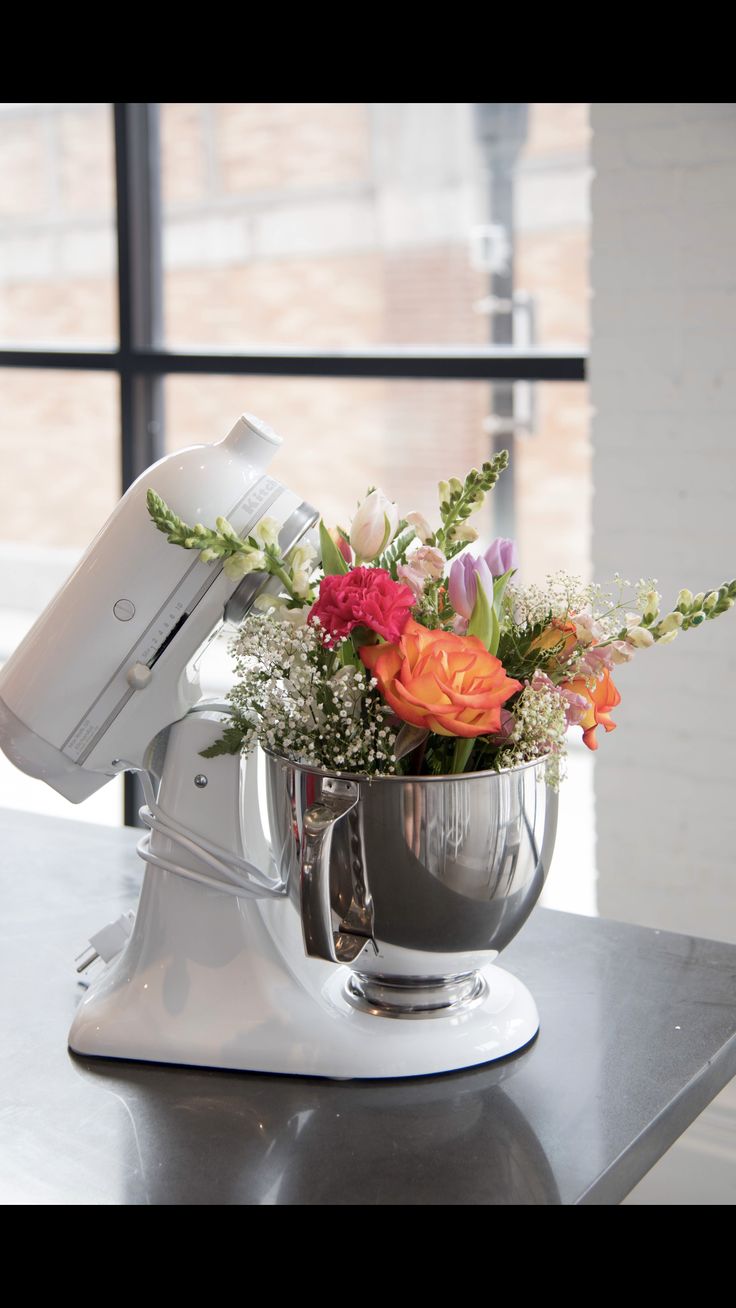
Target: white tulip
<point x="374" y="525"/>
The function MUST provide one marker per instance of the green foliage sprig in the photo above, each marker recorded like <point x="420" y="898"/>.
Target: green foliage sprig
<point x="396" y="551"/>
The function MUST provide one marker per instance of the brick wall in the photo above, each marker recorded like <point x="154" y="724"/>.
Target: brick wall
<point x="663" y="389"/>
<point x="326" y="225"/>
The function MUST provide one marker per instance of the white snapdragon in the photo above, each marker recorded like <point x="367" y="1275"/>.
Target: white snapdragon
<point x="426" y="564"/>
<point x="239" y="565"/>
<point x="648" y="598"/>
<point x="267" y="532"/>
<point x="462" y="532"/>
<point x="421" y="527"/>
<point x="640" y="637"/>
<point x="672" y="622"/>
<point x="301" y="565"/>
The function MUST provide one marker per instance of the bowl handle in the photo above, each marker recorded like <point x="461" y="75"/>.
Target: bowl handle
<point x="321" y="940"/>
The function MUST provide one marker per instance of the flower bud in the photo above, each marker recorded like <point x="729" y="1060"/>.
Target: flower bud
<point x="225" y="529"/>
<point x="456" y="486"/>
<point x="463" y="532"/>
<point x="650" y="605"/>
<point x="373" y="526"/>
<point x="696" y="619"/>
<point x="668" y="636"/>
<point x="340" y="543"/>
<point x="710" y="601"/>
<point x="640" y="638"/>
<point x="209" y="555"/>
<point x="443" y="488"/>
<point x="501" y="555"/>
<point x="671" y="623"/>
<point x="684" y="601"/>
<point x="698" y="600"/>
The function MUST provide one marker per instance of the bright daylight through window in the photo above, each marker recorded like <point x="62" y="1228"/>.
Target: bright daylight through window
<point x="398" y="289"/>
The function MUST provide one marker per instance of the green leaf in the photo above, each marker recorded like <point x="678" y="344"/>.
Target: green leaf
<point x="499" y="587"/>
<point x="484" y="620"/>
<point x="230" y="741"/>
<point x="333" y="563"/>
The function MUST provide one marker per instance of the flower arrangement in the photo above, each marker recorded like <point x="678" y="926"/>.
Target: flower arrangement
<point x="404" y="652"/>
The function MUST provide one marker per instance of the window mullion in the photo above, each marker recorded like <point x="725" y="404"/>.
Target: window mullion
<point x="140" y="300"/>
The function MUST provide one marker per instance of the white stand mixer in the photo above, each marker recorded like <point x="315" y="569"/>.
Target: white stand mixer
<point x="215" y="971"/>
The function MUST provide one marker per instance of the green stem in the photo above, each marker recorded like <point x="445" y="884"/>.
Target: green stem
<point x="276" y="570"/>
<point x="461" y="754"/>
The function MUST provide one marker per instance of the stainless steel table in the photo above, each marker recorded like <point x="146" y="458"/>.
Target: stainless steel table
<point x="638" y="1034"/>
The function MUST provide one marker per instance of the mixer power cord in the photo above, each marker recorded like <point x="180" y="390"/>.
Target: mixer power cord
<point x="229" y="874"/>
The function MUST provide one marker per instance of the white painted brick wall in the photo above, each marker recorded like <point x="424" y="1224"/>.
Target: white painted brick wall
<point x="663" y="390"/>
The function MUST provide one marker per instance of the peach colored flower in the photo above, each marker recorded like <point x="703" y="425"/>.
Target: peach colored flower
<point x="601" y="699"/>
<point x="554" y="634"/>
<point x="449" y="684"/>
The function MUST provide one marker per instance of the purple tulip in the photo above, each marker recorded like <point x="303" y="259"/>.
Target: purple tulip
<point x="498" y="558"/>
<point x="501" y="555"/>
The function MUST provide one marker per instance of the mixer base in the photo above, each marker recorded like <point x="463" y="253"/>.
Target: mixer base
<point x="212" y="981"/>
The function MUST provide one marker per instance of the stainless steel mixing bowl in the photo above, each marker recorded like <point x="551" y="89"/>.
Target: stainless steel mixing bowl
<point x="416" y="882"/>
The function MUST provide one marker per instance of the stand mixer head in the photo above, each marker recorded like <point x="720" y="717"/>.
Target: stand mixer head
<point x="242" y="954"/>
<point x="109" y="662"/>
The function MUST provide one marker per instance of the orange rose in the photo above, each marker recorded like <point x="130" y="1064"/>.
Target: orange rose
<point x="449" y="684"/>
<point x="602" y="698"/>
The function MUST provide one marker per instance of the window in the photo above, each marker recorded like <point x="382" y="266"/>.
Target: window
<point x="399" y="289"/>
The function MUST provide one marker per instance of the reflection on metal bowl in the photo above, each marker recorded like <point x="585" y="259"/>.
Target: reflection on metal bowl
<point x="415" y="882"/>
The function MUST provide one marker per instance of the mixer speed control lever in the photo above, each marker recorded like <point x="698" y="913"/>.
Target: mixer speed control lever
<point x="138" y="676"/>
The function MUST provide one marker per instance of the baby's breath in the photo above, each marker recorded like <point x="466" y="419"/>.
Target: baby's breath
<point x="563" y="594"/>
<point x="539" y="730"/>
<point x="294" y="698"/>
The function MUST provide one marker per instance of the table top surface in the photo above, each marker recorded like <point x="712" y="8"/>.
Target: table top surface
<point x="638" y="1034"/>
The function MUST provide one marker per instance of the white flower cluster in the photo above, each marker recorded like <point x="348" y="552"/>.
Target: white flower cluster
<point x="301" y="703"/>
<point x="540" y="729"/>
<point x="565" y="596"/>
<point x="562" y="594"/>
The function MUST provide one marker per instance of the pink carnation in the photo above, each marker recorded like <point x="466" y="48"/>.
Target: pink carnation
<point x="366" y="597"/>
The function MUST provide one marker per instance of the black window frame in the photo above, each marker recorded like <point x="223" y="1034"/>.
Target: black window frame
<point x="142" y="361"/>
